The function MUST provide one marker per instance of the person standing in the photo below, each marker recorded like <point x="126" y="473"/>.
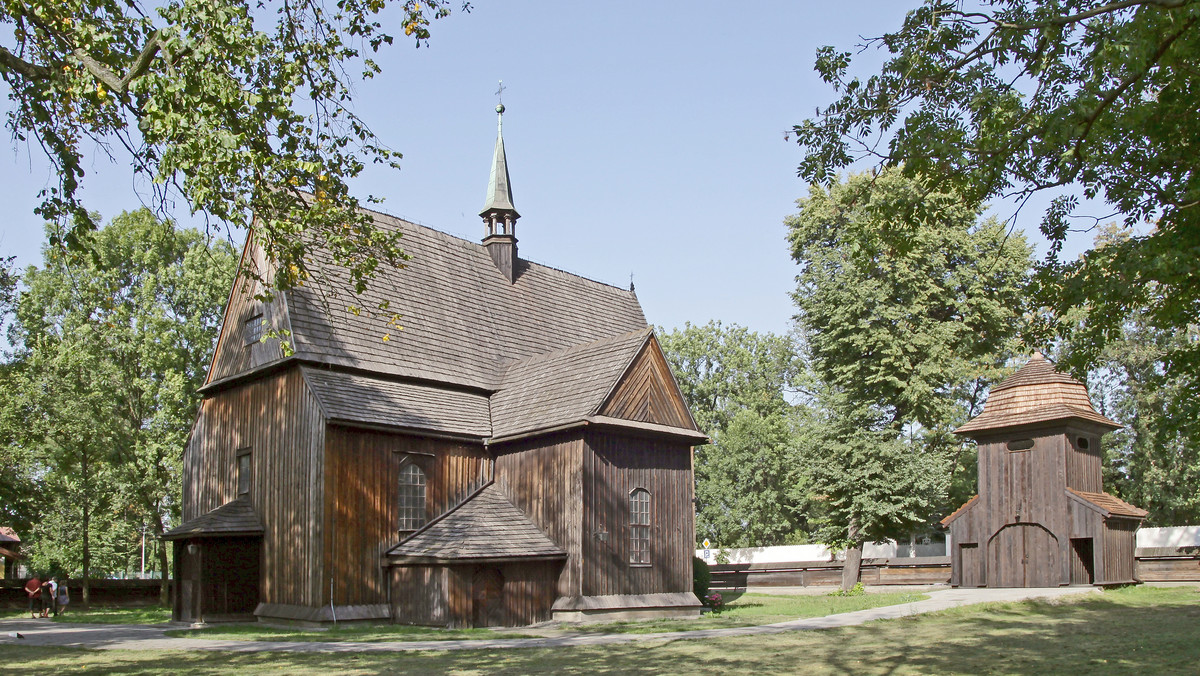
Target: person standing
<point x="53" y="586"/>
<point x="33" y="589"/>
<point x="45" y="594"/>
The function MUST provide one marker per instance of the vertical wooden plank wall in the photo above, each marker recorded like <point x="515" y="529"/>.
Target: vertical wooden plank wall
<point x="281" y="422"/>
<point x="419" y="595"/>
<point x="1083" y="465"/>
<point x="361" y="490"/>
<point x="614" y="465"/>
<point x="542" y="477"/>
<point x="1119" y="549"/>
<point x="529" y="592"/>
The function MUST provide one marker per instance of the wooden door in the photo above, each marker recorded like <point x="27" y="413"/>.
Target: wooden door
<point x="487" y="598"/>
<point x="971" y="566"/>
<point x="1023" y="555"/>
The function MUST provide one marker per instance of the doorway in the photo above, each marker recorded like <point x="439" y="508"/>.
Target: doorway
<point x="1083" y="561"/>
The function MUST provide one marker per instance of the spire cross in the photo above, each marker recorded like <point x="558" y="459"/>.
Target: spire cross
<point x="500" y="93"/>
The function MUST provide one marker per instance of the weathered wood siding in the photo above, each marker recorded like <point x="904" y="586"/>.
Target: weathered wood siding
<point x="613" y="466"/>
<point x="648" y="393"/>
<point x="233" y="355"/>
<point x="1083" y="464"/>
<point x="455" y="595"/>
<point x="420" y="595"/>
<point x="279" y="420"/>
<point x="362" y="491"/>
<point x="543" y="477"/>
<point x="1119" y="547"/>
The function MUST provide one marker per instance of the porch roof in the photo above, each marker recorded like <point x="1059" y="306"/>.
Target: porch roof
<point x="229" y="520"/>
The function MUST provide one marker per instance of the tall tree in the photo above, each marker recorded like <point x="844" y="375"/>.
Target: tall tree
<point x="118" y="342"/>
<point x="1072" y="97"/>
<point x="903" y="337"/>
<point x="241" y="108"/>
<point x="1154" y="461"/>
<point x="736" y="383"/>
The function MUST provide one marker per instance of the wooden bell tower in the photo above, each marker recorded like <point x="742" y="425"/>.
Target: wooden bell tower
<point x="1041" y="518"/>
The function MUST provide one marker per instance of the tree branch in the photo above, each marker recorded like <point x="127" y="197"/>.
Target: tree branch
<point x="1076" y="18"/>
<point x="140" y="65"/>
<point x="11" y="63"/>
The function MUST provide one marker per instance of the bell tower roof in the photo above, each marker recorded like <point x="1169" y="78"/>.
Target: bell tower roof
<point x="1037" y="393"/>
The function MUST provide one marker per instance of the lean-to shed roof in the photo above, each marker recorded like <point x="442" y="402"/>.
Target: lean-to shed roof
<point x="228" y="520"/>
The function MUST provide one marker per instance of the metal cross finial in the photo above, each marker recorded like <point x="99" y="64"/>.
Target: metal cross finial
<point x="500" y="93"/>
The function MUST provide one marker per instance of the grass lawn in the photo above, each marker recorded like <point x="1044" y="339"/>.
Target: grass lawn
<point x="741" y="610"/>
<point x="103" y="615"/>
<point x="1136" y="630"/>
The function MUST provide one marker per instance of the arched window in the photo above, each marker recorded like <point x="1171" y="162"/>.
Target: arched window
<point x="639" y="527"/>
<point x="412" y="497"/>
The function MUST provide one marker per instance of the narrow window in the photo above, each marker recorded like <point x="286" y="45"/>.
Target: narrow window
<point x="253" y="328"/>
<point x="1082" y="443"/>
<point x="639" y="527"/>
<point x="1020" y="445"/>
<point x="412" y="497"/>
<point x="243" y="472"/>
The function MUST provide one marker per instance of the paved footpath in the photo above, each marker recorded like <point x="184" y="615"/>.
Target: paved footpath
<point x="151" y="637"/>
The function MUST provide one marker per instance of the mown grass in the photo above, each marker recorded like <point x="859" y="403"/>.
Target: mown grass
<point x="741" y="610"/>
<point x="1135" y="631"/>
<point x="103" y="615"/>
<point x="749" y="609"/>
<point x="359" y="633"/>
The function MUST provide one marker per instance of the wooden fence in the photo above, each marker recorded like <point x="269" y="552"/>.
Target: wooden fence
<point x="103" y="593"/>
<point x="1159" y="564"/>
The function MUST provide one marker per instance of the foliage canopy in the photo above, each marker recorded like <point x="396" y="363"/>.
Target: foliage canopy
<point x="241" y="108"/>
<point x="1014" y="97"/>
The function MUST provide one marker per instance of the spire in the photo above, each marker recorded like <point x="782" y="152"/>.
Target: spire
<point x="498" y="213"/>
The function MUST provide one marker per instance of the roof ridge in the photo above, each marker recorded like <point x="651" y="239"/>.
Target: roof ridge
<point x="464" y="240"/>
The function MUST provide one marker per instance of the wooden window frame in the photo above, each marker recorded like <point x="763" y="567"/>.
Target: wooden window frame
<point x="248" y="474"/>
<point x="1019" y="445"/>
<point x="640" y="500"/>
<point x="411" y="509"/>
<point x="253" y="328"/>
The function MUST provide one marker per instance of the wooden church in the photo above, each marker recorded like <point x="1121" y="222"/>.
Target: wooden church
<point x="1041" y="518"/>
<point x="518" y="453"/>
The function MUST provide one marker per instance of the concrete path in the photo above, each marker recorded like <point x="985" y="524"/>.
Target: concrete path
<point x="151" y="637"/>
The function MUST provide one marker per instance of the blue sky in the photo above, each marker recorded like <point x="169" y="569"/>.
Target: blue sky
<point x="643" y="138"/>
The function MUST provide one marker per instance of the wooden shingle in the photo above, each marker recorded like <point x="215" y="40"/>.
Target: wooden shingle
<point x="232" y="518"/>
<point x="485" y="527"/>
<point x="1035" y="394"/>
<point x="1111" y="505"/>
<point x="354" y="398"/>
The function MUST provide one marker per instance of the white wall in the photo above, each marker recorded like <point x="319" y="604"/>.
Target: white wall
<point x="1177" y="536"/>
<point x="788" y="553"/>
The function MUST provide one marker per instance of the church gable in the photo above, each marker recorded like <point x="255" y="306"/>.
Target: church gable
<point x="247" y="319"/>
<point x="647" y="392"/>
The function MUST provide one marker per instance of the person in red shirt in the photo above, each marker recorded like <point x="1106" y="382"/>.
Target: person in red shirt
<point x="33" y="588"/>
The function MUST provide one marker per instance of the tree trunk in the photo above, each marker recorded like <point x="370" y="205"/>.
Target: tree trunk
<point x="85" y="467"/>
<point x="853" y="564"/>
<point x="164" y="587"/>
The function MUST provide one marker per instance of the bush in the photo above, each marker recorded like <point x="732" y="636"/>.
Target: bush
<point x="714" y="602"/>
<point x="857" y="590"/>
<point x="701" y="577"/>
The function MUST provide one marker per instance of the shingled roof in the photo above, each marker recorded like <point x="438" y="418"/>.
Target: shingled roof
<point x="463" y="322"/>
<point x="228" y="520"/>
<point x="1111" y="505"/>
<point x="563" y="386"/>
<point x="485" y="527"/>
<point x="1036" y="393"/>
<point x="347" y="397"/>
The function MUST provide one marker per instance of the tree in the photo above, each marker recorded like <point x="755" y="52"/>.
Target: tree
<point x="1014" y="97"/>
<point x="1154" y="461"/>
<point x="735" y="382"/>
<point x="241" y="108"/>
<point x="903" y="339"/>
<point x="116" y="343"/>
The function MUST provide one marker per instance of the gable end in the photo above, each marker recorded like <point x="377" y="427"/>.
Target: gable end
<point x="647" y="392"/>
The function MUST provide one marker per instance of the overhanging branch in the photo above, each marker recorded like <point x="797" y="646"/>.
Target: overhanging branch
<point x="120" y="85"/>
<point x="11" y="63"/>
